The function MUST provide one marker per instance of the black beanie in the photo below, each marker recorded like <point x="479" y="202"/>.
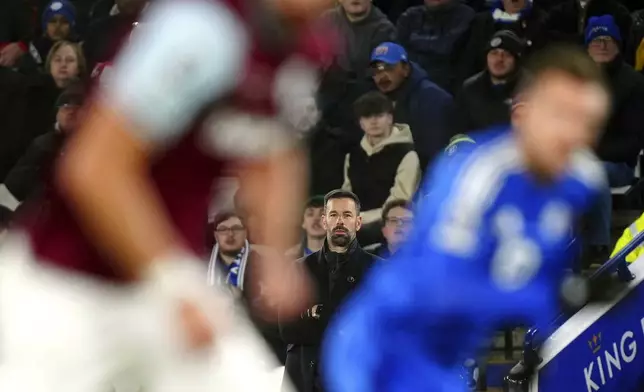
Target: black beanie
<point x="506" y="40"/>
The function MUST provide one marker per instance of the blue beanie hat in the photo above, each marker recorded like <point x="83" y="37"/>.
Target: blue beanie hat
<point x="59" y="7"/>
<point x="602" y="26"/>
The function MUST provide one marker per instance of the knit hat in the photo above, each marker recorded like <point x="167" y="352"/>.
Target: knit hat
<point x="602" y="26"/>
<point x="59" y="7"/>
<point x="506" y="40"/>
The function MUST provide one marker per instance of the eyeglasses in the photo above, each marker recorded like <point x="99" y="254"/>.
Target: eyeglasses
<point x="398" y="221"/>
<point x="232" y="230"/>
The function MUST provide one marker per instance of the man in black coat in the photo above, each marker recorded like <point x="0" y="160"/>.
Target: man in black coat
<point x="336" y="269"/>
<point x="486" y="97"/>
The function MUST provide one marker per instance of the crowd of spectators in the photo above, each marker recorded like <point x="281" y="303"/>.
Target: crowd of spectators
<point x="408" y="76"/>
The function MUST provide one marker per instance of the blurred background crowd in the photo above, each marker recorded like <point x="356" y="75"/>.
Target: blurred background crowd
<point x="408" y="77"/>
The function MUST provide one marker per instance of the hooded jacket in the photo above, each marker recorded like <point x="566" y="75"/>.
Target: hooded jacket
<point x="429" y="112"/>
<point x="387" y="171"/>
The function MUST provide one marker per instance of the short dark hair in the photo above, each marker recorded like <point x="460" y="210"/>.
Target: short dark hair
<point x="564" y="58"/>
<point x="316" y="201"/>
<point x="342" y="194"/>
<point x="396" y="203"/>
<point x="224" y="216"/>
<point x="371" y="104"/>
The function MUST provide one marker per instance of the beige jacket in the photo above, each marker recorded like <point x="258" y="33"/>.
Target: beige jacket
<point x="408" y="174"/>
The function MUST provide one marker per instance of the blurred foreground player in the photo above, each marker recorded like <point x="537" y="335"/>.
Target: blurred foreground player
<point x="102" y="279"/>
<point x="488" y="249"/>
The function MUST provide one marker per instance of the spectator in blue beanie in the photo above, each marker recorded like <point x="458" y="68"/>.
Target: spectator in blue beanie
<point x="58" y="24"/>
<point x="622" y="139"/>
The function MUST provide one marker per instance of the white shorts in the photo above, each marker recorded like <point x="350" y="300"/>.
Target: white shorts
<point x="65" y="332"/>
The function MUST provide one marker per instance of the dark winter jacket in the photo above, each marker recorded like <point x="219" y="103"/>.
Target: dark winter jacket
<point x="568" y="20"/>
<point x="27" y="177"/>
<point x="624" y="134"/>
<point x="531" y="27"/>
<point x="429" y="112"/>
<point x="482" y="104"/>
<point x="435" y="38"/>
<point x="104" y="38"/>
<point x="328" y="148"/>
<point x="33" y="117"/>
<point x="335" y="276"/>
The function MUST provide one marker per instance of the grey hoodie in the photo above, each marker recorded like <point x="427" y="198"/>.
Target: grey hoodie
<point x="360" y="38"/>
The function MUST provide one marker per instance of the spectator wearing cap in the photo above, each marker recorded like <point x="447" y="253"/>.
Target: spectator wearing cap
<point x="526" y="20"/>
<point x="58" y="24"/>
<point x="486" y="97"/>
<point x="621" y="141"/>
<point x="28" y="175"/>
<point x="568" y="20"/>
<point x="418" y="102"/>
<point x="435" y="35"/>
<point x="314" y="233"/>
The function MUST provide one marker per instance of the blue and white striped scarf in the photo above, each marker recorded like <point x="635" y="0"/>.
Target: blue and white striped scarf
<point x="233" y="274"/>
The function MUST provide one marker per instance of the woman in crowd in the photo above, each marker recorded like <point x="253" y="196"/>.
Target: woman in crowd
<point x="35" y="111"/>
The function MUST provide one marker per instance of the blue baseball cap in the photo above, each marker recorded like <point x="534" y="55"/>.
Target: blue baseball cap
<point x="389" y="53"/>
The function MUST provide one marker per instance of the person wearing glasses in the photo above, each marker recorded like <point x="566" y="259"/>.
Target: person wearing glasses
<point x="397" y="219"/>
<point x="231" y="265"/>
<point x="229" y="256"/>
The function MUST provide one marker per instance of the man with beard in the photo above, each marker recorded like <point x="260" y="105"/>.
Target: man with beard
<point x="336" y="269"/>
<point x="486" y="97"/>
<point x="489" y="244"/>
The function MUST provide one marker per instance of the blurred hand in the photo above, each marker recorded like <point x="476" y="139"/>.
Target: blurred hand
<point x="285" y="287"/>
<point x="198" y="330"/>
<point x="10" y="54"/>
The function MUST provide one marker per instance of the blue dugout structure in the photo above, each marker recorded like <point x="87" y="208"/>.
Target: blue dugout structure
<point x="594" y="348"/>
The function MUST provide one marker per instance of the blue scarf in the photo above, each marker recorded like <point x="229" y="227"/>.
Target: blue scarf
<point x="230" y="275"/>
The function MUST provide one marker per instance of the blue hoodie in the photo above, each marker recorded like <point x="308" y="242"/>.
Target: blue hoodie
<point x="429" y="112"/>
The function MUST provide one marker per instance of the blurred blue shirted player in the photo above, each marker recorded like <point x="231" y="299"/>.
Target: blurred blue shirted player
<point x="489" y="244"/>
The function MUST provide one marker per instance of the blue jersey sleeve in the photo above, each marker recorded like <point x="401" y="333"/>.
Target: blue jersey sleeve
<point x="417" y="286"/>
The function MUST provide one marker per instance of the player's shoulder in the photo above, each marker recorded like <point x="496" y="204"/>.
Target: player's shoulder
<point x="491" y="147"/>
<point x="462" y="143"/>
<point x="585" y="168"/>
<point x="479" y="173"/>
